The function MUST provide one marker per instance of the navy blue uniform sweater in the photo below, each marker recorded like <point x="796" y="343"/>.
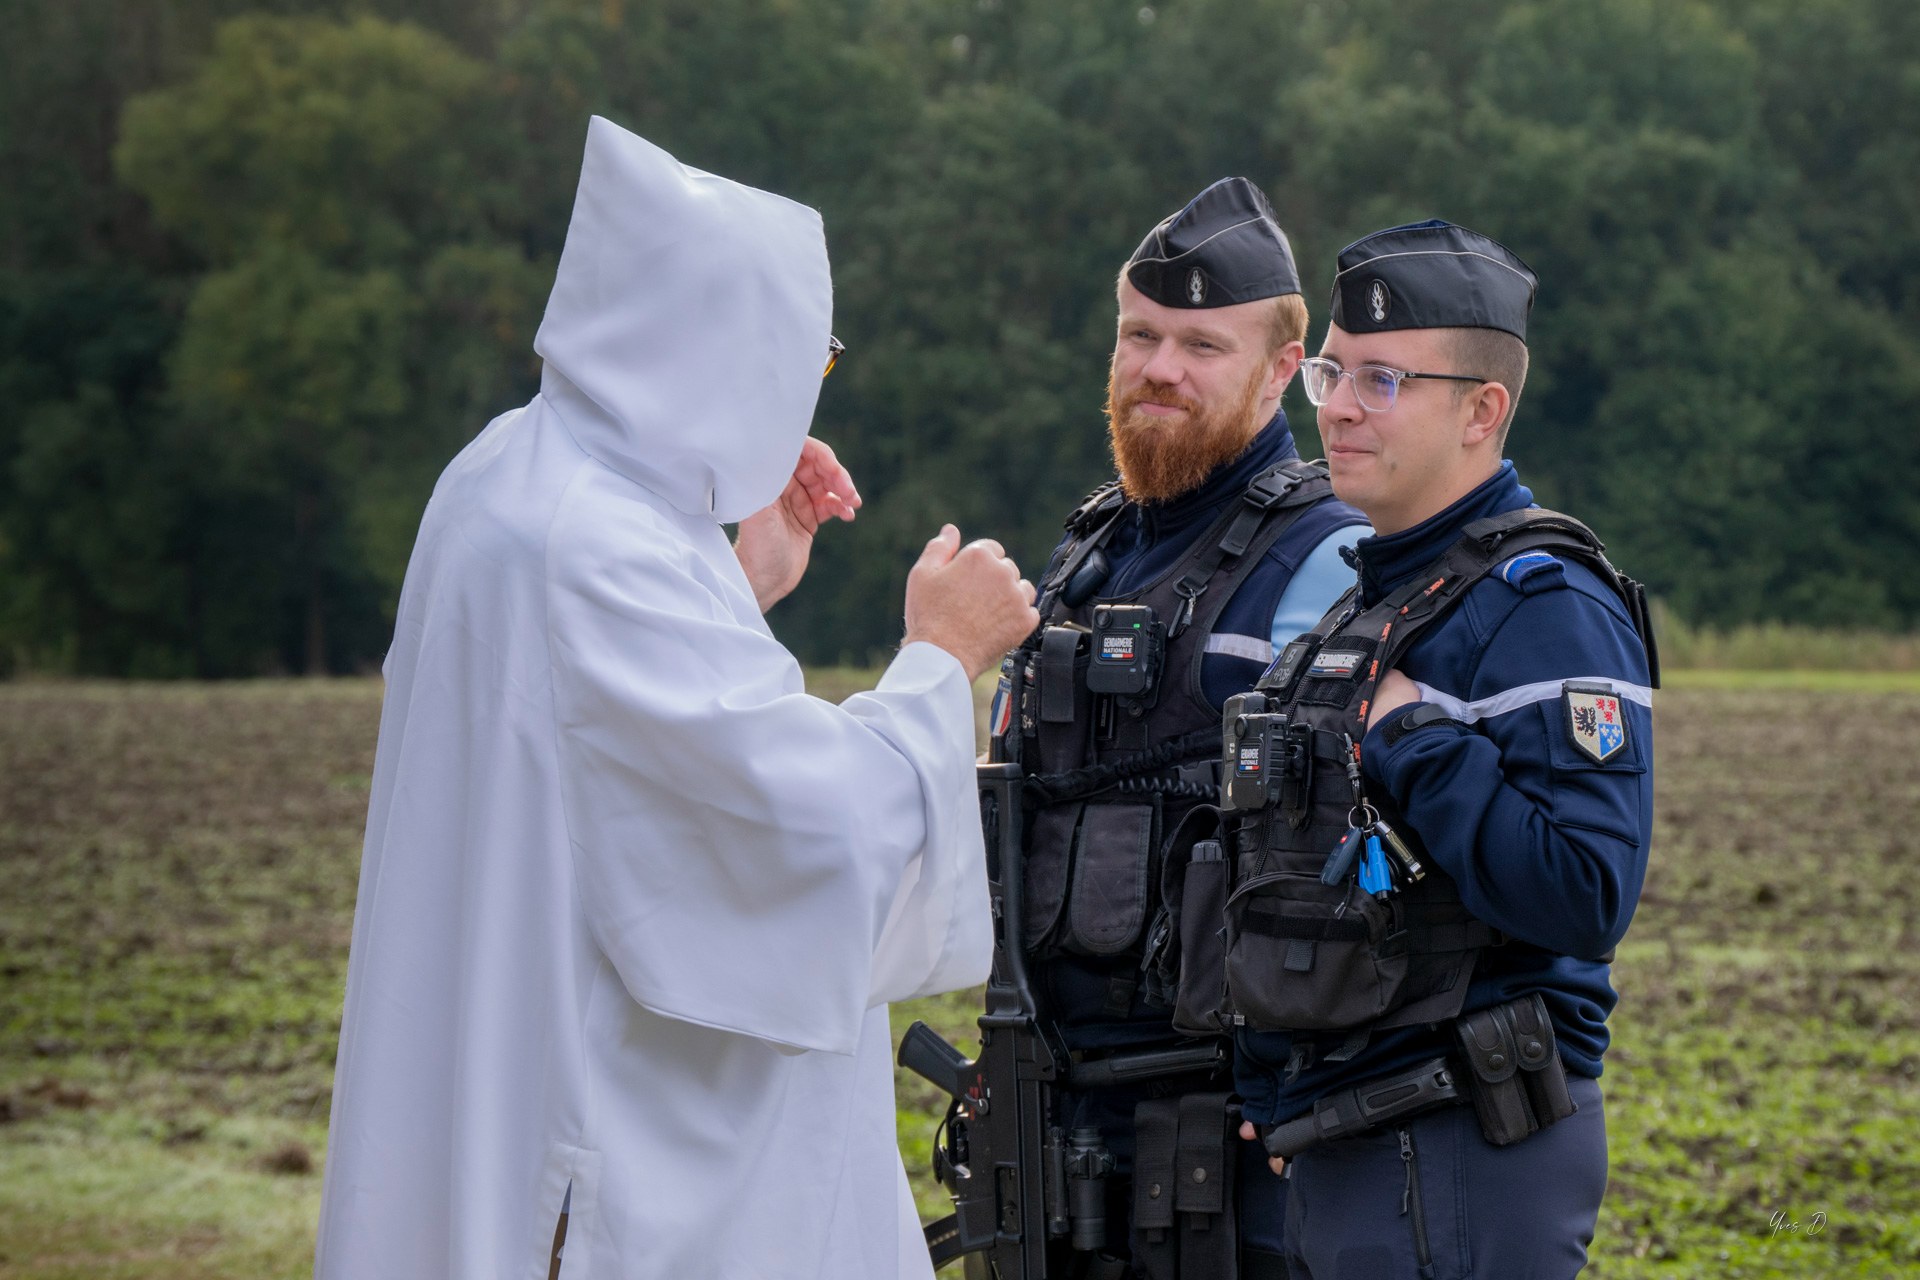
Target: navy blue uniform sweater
<point x="1547" y="844"/>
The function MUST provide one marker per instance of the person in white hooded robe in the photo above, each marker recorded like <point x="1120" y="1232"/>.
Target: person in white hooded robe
<point x="631" y="903"/>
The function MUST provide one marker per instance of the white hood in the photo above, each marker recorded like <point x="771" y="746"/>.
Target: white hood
<point x="687" y="328"/>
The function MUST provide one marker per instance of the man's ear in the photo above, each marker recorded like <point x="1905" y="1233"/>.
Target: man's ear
<point x="1489" y="403"/>
<point x="1280" y="370"/>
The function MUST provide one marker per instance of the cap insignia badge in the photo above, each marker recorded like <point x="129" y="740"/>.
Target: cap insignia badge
<point x="1379" y="301"/>
<point x="1196" y="286"/>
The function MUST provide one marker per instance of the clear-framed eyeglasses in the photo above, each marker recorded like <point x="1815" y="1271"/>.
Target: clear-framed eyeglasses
<point x="1374" y="385"/>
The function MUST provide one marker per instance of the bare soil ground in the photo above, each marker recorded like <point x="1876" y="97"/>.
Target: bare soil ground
<point x="177" y="872"/>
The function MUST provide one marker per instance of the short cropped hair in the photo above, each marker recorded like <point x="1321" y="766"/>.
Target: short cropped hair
<point x="1495" y="355"/>
<point x="1288" y="322"/>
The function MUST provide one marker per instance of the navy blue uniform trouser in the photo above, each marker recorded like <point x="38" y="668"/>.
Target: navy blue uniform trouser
<point x="1459" y="1208"/>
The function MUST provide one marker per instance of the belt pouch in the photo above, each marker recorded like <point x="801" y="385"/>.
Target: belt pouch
<point x="1493" y="1068"/>
<point x="1156" y="1126"/>
<point x="1112" y="863"/>
<point x="1541" y="1070"/>
<point x="1203" y="1181"/>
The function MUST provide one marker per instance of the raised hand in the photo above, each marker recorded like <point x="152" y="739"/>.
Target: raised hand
<point x="775" y="543"/>
<point x="971" y="600"/>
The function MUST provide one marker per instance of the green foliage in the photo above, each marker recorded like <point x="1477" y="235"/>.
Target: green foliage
<point x="344" y="184"/>
<point x="300" y="131"/>
<point x="269" y="263"/>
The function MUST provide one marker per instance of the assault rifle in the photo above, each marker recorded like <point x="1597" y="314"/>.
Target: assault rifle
<point x="1018" y="1179"/>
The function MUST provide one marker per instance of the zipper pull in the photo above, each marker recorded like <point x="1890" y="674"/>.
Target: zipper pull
<point x="1406" y="1158"/>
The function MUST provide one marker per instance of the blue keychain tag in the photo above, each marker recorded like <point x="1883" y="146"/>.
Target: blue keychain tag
<point x="1345" y="854"/>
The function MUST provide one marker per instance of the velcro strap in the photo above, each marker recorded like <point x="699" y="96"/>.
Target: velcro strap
<point x="1281" y="924"/>
<point x="1467" y="935"/>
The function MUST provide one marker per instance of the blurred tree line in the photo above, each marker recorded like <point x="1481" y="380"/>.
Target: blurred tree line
<point x="265" y="265"/>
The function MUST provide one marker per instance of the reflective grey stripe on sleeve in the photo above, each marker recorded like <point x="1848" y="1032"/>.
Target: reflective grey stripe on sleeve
<point x="1252" y="648"/>
<point x="1525" y="696"/>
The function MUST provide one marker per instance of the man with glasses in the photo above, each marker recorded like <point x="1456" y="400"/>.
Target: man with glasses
<point x="1214" y="544"/>
<point x="1489" y="684"/>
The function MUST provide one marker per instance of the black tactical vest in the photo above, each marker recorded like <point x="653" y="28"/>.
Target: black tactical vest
<point x="1305" y="950"/>
<point x="1118" y="740"/>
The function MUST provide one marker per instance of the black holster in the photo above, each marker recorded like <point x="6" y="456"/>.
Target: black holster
<point x="1513" y="1071"/>
<point x="1186" y="1159"/>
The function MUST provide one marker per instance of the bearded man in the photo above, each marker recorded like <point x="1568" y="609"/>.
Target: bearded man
<point x="1174" y="587"/>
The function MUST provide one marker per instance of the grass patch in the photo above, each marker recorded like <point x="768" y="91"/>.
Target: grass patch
<point x="1816" y="681"/>
<point x="1778" y="646"/>
<point x="180" y="863"/>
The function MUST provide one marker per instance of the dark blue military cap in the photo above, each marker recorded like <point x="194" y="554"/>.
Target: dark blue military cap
<point x="1431" y="275"/>
<point x="1224" y="247"/>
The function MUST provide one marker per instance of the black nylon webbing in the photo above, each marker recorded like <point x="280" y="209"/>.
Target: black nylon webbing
<point x="1234" y="530"/>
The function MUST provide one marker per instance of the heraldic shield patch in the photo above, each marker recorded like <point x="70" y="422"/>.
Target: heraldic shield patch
<point x="1595" y="720"/>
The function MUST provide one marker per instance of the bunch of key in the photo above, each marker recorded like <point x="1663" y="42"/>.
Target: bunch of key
<point x="1367" y="842"/>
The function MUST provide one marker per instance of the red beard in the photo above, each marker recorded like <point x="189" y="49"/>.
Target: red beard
<point x="1162" y="458"/>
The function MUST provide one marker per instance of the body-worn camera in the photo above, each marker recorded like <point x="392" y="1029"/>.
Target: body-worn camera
<point x="1127" y="644"/>
<point x="1265" y="758"/>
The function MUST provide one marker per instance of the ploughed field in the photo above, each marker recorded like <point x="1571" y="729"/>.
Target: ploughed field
<point x="178" y="865"/>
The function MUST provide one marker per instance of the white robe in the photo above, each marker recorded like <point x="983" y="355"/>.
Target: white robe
<point x="632" y="903"/>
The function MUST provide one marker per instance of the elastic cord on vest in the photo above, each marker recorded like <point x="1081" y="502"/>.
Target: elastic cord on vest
<point x="1075" y="784"/>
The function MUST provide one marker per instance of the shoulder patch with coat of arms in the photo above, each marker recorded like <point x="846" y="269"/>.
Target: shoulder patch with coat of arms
<point x="1596" y="720"/>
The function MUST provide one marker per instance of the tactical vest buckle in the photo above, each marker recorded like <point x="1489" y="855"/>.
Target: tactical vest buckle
<point x="1271" y="489"/>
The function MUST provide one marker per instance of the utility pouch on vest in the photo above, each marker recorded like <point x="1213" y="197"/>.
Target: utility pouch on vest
<point x="1113" y="863"/>
<point x="1186" y="949"/>
<point x="1184" y="1171"/>
<point x="1052" y="834"/>
<point x="1514" y="1073"/>
<point x="1309" y="956"/>
<point x="1199" y="1006"/>
<point x="1063" y="696"/>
